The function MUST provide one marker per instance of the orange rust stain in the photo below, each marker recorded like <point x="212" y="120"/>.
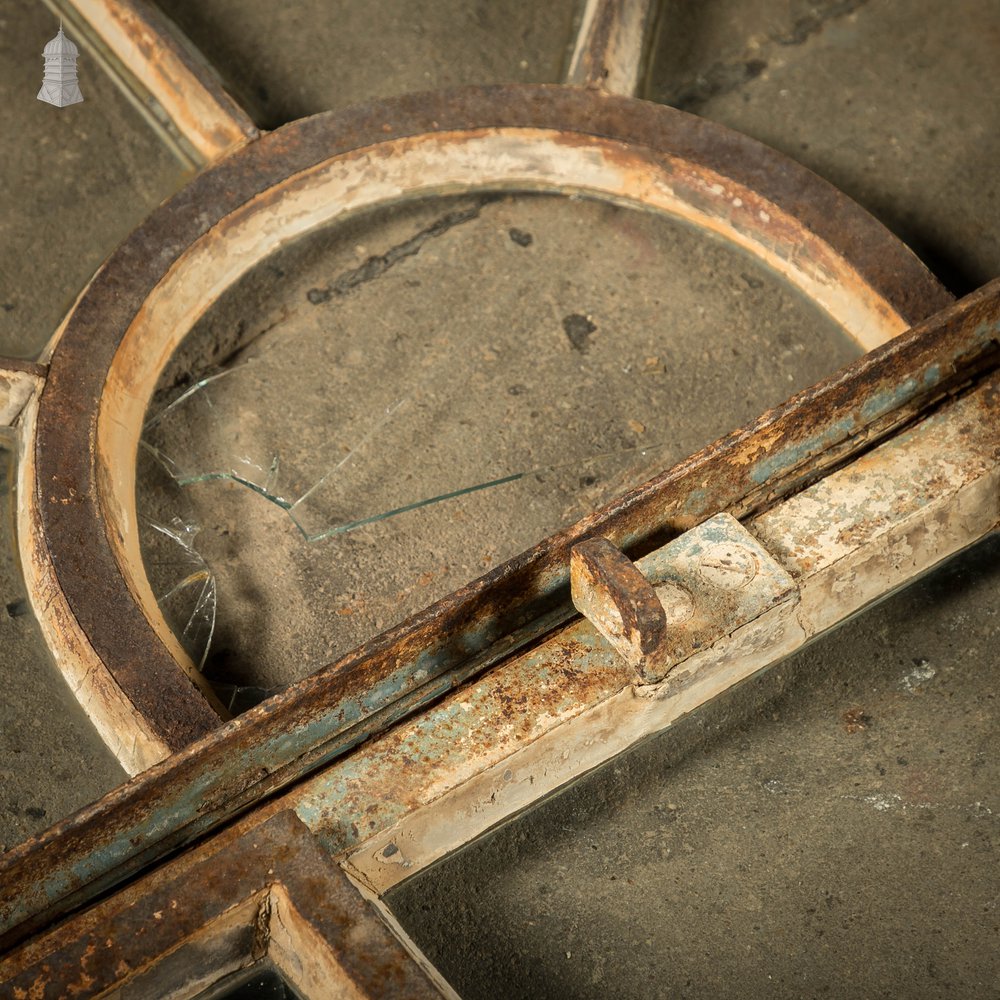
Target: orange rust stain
<point x="855" y="720"/>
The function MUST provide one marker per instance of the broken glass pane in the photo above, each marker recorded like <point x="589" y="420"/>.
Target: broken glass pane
<point x="388" y="408"/>
<point x="189" y="601"/>
<point x="393" y="404"/>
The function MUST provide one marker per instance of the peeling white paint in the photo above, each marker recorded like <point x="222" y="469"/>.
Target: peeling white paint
<point x="920" y="675"/>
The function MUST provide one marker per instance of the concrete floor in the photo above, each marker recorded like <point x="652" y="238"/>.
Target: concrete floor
<point x="75" y="182"/>
<point x="891" y="100"/>
<point x="768" y="846"/>
<point x="829" y="829"/>
<point x="286" y="61"/>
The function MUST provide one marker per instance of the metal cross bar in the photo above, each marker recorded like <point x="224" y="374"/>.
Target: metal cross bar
<point x="168" y="80"/>
<point x="784" y="454"/>
<point x="453" y="721"/>
<point x="876" y="518"/>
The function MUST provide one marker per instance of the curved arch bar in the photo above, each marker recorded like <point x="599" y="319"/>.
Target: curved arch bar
<point x="312" y="172"/>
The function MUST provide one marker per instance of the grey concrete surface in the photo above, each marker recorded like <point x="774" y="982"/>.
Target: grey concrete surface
<point x="76" y="180"/>
<point x="894" y="101"/>
<point x="830" y="828"/>
<point x="286" y="61"/>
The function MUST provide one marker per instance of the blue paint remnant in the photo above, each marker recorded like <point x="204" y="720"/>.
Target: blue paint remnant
<point x="185" y="812"/>
<point x="889" y="398"/>
<point x="987" y="331"/>
<point x="367" y="794"/>
<point x="563" y="675"/>
<point x="697" y="499"/>
<point x="771" y="466"/>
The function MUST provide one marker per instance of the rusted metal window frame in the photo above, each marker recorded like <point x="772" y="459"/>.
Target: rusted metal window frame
<point x="291" y="768"/>
<point x="81" y="431"/>
<point x="267" y="897"/>
<point x="939" y="378"/>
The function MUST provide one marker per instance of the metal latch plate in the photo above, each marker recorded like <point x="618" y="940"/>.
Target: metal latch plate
<point x="680" y="598"/>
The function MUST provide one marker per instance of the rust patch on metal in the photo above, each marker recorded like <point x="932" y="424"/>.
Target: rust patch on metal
<point x="108" y="945"/>
<point x="609" y="49"/>
<point x="31" y="368"/>
<point x="609" y="590"/>
<point x="679" y="599"/>
<point x="590" y="69"/>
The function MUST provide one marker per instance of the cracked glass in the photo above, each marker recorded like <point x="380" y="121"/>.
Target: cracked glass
<point x="389" y="408"/>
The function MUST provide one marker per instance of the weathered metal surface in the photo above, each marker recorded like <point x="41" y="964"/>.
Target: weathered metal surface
<point x="308" y="725"/>
<point x="609" y="48"/>
<point x="288" y="736"/>
<point x="135" y="42"/>
<point x="18" y="381"/>
<point x="126" y="734"/>
<point x="620" y="602"/>
<point x="496" y="748"/>
<point x="710" y="581"/>
<point x="496" y="136"/>
<point x="542" y="718"/>
<point x="295" y="733"/>
<point x="856" y="534"/>
<point x="843" y="255"/>
<point x="262" y="890"/>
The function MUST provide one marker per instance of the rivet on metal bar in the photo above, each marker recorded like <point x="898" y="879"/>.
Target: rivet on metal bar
<point x="681" y="598"/>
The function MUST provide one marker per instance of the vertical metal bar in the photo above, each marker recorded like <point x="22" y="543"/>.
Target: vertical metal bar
<point x="609" y="47"/>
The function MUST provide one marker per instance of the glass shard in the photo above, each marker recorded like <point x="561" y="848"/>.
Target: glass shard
<point x="189" y="603"/>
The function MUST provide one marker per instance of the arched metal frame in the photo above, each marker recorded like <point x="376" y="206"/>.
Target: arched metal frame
<point x="80" y="419"/>
<point x="79" y="521"/>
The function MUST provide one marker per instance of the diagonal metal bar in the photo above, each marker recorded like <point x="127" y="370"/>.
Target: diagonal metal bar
<point x="164" y="75"/>
<point x="319" y="719"/>
<point x="757" y="591"/>
<point x="261" y="891"/>
<point x="19" y="380"/>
